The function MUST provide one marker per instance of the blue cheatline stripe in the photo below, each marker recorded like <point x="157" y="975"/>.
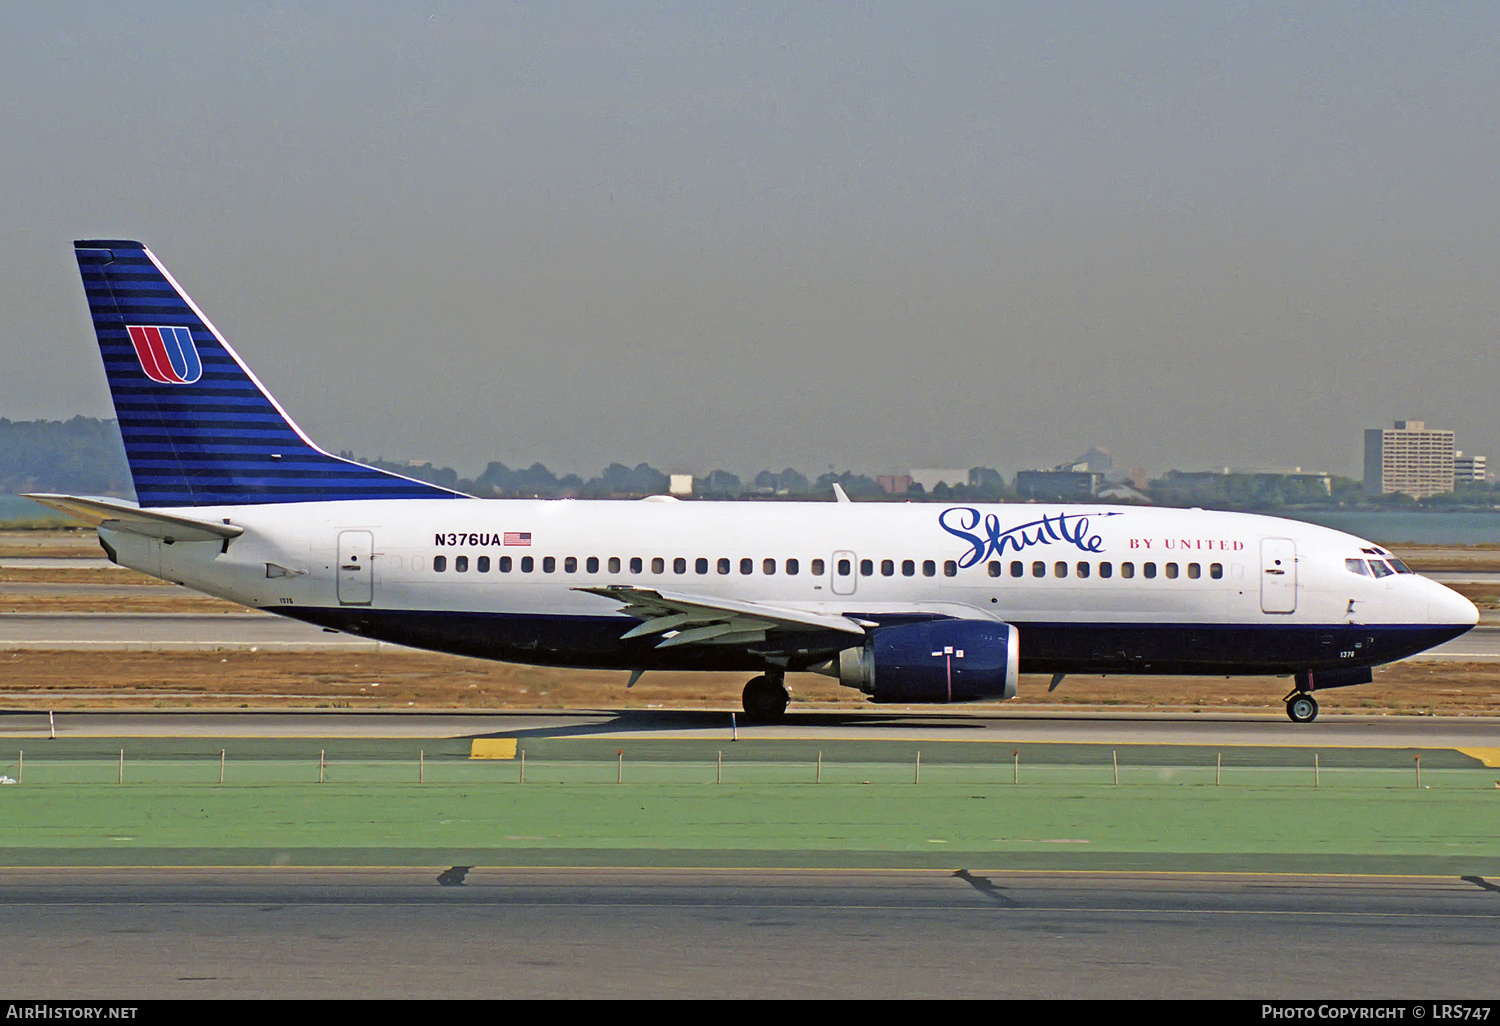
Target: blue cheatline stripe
<point x="218" y="439"/>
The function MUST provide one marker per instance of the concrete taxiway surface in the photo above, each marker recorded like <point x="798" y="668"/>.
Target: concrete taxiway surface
<point x="964" y="931"/>
<point x="998" y="726"/>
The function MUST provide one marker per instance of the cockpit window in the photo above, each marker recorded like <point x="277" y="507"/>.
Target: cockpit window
<point x="1400" y="567"/>
<point x="1356" y="566"/>
<point x="1379" y="569"/>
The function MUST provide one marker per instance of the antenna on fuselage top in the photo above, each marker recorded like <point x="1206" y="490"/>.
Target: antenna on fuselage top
<point x="839" y="494"/>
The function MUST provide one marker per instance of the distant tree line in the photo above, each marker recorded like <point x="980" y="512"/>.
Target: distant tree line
<point x="82" y="456"/>
<point x="85" y="456"/>
<point x="619" y="481"/>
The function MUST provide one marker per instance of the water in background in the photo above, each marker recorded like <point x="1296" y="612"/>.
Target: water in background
<point x="18" y="512"/>
<point x="1402" y="528"/>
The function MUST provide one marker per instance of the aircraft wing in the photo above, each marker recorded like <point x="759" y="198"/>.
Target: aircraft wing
<point x="695" y="620"/>
<point x="103" y="512"/>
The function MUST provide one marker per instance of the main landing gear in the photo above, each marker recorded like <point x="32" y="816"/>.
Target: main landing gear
<point x="765" y="698"/>
<point x="1301" y="706"/>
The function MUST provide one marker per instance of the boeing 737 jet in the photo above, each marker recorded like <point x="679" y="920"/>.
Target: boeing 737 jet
<point x="908" y="602"/>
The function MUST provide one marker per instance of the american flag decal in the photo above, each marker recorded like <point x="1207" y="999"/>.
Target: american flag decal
<point x="518" y="537"/>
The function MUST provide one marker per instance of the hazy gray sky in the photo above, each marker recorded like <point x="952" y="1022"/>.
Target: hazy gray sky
<point x="757" y="235"/>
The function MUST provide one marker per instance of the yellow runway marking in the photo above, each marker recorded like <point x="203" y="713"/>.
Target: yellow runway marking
<point x="493" y="748"/>
<point x="1488" y="756"/>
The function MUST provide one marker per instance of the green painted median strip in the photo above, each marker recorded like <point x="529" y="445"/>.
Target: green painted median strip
<point x="679" y="804"/>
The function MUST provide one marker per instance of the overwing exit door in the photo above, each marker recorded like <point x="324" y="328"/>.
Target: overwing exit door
<point x="356" y="572"/>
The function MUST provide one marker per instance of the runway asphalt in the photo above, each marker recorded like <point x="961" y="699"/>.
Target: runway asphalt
<point x="996" y="725"/>
<point x="967" y="931"/>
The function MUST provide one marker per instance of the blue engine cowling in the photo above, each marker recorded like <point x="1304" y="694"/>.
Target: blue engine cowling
<point x="935" y="661"/>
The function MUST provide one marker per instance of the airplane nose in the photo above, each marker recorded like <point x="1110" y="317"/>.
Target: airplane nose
<point x="1449" y="607"/>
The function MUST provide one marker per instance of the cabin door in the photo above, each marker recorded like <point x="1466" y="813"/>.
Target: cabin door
<point x="1278" y="575"/>
<point x="356" y="569"/>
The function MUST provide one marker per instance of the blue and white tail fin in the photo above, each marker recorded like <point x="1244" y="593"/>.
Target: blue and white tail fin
<point x="199" y="429"/>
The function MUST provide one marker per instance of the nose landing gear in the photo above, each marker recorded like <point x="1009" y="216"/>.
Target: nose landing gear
<point x="765" y="698"/>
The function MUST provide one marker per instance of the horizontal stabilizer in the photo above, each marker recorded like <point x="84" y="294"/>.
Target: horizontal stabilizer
<point x="149" y="523"/>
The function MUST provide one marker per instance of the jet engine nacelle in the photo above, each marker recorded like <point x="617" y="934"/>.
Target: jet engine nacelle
<point x="935" y="661"/>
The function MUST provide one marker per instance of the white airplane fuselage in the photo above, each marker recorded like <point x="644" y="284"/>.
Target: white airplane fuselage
<point x="1186" y="591"/>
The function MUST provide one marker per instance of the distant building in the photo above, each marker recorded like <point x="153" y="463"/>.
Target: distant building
<point x="1469" y="469"/>
<point x="1122" y="493"/>
<point x="1409" y="458"/>
<point x="1057" y="484"/>
<point x="1247" y="482"/>
<point x="894" y="484"/>
<point x="680" y="484"/>
<point x="930" y="477"/>
<point x="1096" y="460"/>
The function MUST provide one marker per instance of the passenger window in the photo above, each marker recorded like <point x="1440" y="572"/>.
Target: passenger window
<point x="1017" y="568"/>
<point x="1171" y="569"/>
<point x="679" y="565"/>
<point x="908" y="568"/>
<point x="792" y="567"/>
<point x="1039" y="569"/>
<point x="1106" y="569"/>
<point x="505" y="564"/>
<point x="867" y="567"/>
<point x="592" y="565"/>
<point x="635" y="564"/>
<point x="1083" y="569"/>
<point x="844" y="568"/>
<point x="1377" y="568"/>
<point x="887" y="568"/>
<point x="658" y="565"/>
<point x="549" y="564"/>
<point x="1148" y="570"/>
<point x="768" y="567"/>
<point x="527" y="564"/>
<point x="570" y="565"/>
<point x="1194" y="571"/>
<point x="818" y="567"/>
<point x="439" y="564"/>
<point x="929" y="568"/>
<point x="994" y="568"/>
<point x="1127" y="569"/>
<point x="723" y="566"/>
<point x="1060" y="569"/>
<point x="747" y="565"/>
<point x="700" y="565"/>
<point x="1216" y="570"/>
<point x="614" y="564"/>
<point x="460" y="564"/>
<point x="950" y="568"/>
<point x="482" y="564"/>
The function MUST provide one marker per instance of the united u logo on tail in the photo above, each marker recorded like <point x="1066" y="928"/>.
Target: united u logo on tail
<point x="167" y="354"/>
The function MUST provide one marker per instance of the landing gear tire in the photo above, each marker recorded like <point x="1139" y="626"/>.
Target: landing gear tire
<point x="1302" y="708"/>
<point x="765" y="700"/>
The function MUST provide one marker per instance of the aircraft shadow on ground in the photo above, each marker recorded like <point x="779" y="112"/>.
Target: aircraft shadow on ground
<point x="672" y="721"/>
